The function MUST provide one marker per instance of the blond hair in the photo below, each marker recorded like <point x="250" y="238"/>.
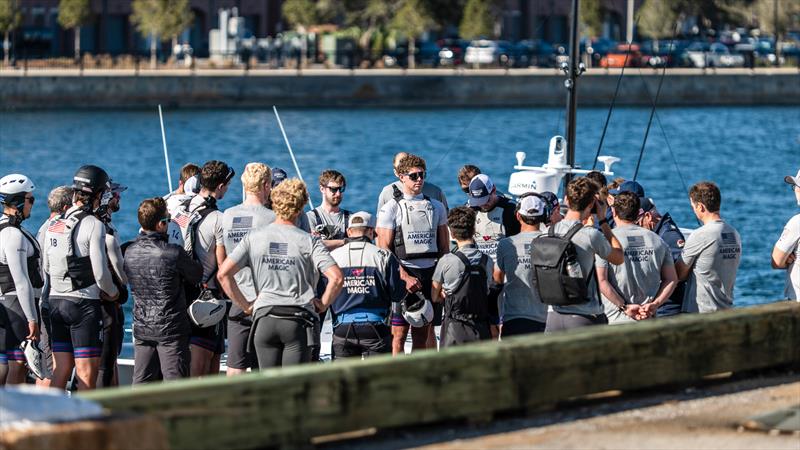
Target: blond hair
<point x="255" y="176"/>
<point x="289" y="198"/>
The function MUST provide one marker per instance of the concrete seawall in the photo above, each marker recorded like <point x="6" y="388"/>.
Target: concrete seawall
<point x="390" y="88"/>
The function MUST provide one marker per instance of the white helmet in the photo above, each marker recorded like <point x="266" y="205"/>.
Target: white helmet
<point x="13" y="189"/>
<point x="417" y="310"/>
<point x="36" y="359"/>
<point x="207" y="311"/>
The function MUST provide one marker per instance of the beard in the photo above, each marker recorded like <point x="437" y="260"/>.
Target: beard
<point x="334" y="201"/>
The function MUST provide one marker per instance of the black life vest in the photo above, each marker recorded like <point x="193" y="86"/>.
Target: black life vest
<point x="469" y="301"/>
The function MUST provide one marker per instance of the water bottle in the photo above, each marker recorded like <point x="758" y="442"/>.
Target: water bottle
<point x="574" y="268"/>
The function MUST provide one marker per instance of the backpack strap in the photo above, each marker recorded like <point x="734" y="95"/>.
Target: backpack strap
<point x="467" y="267"/>
<point x="318" y="217"/>
<point x="572" y="231"/>
<point x="397" y="194"/>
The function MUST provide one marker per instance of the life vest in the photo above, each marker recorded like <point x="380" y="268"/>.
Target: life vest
<point x="79" y="268"/>
<point x="469" y="301"/>
<point x="338" y="234"/>
<point x="490" y="226"/>
<point x="415" y="236"/>
<point x="364" y="296"/>
<point x="34" y="271"/>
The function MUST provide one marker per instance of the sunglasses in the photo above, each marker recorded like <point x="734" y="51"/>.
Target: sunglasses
<point x="30" y="199"/>
<point x="335" y="189"/>
<point x="416" y="176"/>
<point x="230" y="175"/>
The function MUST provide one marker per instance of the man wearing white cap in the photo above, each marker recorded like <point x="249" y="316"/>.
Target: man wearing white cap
<point x="371" y="284"/>
<point x="787" y="249"/>
<point x="521" y="308"/>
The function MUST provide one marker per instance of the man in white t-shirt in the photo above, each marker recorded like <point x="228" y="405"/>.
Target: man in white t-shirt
<point x="787" y="249"/>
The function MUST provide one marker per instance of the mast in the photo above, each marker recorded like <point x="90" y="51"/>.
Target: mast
<point x="573" y="71"/>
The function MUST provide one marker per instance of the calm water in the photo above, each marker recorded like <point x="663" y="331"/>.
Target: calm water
<point x="747" y="151"/>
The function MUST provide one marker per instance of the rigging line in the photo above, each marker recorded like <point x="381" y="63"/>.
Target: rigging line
<point x="664" y="134"/>
<point x="614" y="99"/>
<point x="655" y="102"/>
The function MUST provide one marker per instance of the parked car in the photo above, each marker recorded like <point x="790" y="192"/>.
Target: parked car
<point x="629" y="56"/>
<point x="487" y="53"/>
<point x="452" y="51"/>
<point x="717" y="54"/>
<point x="535" y="52"/>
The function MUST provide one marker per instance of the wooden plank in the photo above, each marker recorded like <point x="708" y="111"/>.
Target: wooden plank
<point x="118" y="433"/>
<point x="287" y="407"/>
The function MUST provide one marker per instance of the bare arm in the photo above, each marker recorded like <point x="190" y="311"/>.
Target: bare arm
<point x="781" y="259"/>
<point x="669" y="281"/>
<point x="682" y="269"/>
<point x="616" y="256"/>
<point x="383" y="239"/>
<point x="437" y="294"/>
<point x="219" y="252"/>
<point x="226" y="280"/>
<point x="334" y="286"/>
<point x="498" y="275"/>
<point x="443" y="240"/>
<point x="607" y="289"/>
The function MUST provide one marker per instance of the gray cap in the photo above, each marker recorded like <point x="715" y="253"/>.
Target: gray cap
<point x="361" y="219"/>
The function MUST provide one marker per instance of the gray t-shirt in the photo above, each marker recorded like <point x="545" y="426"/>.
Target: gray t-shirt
<point x="391" y="216"/>
<point x="286" y="263"/>
<point x="337" y="219"/>
<point x="520" y="299"/>
<point x="237" y="222"/>
<point x="450" y="268"/>
<point x="431" y="190"/>
<point x="208" y="237"/>
<point x="714" y="251"/>
<point x="636" y="280"/>
<point x="589" y="242"/>
<point x="789" y="242"/>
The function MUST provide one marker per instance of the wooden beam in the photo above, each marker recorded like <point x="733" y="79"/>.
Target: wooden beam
<point x="289" y="406"/>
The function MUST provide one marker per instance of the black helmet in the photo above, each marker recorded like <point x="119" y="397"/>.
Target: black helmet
<point x="90" y="179"/>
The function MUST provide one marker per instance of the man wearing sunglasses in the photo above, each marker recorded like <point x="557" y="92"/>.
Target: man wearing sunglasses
<point x="395" y="189"/>
<point x="787" y="249"/>
<point x="413" y="226"/>
<point x="203" y="235"/>
<point x="328" y="220"/>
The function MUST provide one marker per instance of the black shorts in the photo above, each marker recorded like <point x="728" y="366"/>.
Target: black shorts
<point x="425" y="276"/>
<point x="77" y="326"/>
<point x="238" y="334"/>
<point x="13" y="328"/>
<point x="361" y="339"/>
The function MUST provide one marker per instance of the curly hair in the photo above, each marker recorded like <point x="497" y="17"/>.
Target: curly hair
<point x="289" y="198"/>
<point x="461" y="221"/>
<point x="581" y="192"/>
<point x="627" y="205"/>
<point x="707" y="194"/>
<point x="331" y="175"/>
<point x="255" y="176"/>
<point x="410" y="162"/>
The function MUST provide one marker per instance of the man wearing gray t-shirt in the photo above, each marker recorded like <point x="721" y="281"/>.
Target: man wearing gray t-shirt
<point x="328" y="220"/>
<point x="238" y="222"/>
<point x="635" y="289"/>
<point x="521" y="309"/>
<point x="583" y="201"/>
<point x="711" y="254"/>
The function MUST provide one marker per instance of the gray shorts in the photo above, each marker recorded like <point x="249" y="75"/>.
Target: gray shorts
<point x="168" y="360"/>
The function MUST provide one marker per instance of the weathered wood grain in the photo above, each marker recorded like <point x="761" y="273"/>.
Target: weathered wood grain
<point x="286" y="407"/>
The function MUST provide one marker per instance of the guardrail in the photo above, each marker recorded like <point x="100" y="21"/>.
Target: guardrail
<point x="287" y="407"/>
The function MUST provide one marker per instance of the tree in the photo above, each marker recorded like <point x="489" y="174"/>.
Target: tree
<point x="301" y="14"/>
<point x="411" y="20"/>
<point x="10" y="18"/>
<point x="477" y="21"/>
<point x="162" y="20"/>
<point x="591" y="15"/>
<point x="787" y="15"/>
<point x="73" y="14"/>
<point x="657" y="19"/>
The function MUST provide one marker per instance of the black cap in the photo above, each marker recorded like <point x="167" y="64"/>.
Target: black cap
<point x="278" y="176"/>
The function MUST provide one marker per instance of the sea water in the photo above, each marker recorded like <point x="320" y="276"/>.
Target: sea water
<point x="745" y="150"/>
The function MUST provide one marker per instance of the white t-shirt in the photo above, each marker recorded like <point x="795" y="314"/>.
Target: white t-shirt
<point x="789" y="242"/>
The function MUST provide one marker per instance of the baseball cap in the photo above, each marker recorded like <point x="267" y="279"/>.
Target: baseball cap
<point x="480" y="190"/>
<point x="647" y="204"/>
<point x="793" y="180"/>
<point x="117" y="188"/>
<point x="192" y="185"/>
<point x="361" y="219"/>
<point x="628" y="186"/>
<point x="532" y="206"/>
<point x="550" y="198"/>
<point x="278" y="176"/>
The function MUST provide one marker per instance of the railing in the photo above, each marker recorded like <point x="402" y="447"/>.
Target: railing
<point x="287" y="407"/>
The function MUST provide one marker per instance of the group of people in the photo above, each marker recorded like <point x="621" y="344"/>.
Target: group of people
<point x="263" y="275"/>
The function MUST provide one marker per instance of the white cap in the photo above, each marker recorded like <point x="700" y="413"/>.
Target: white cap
<point x="532" y="206"/>
<point x="361" y="219"/>
<point x="192" y="185"/>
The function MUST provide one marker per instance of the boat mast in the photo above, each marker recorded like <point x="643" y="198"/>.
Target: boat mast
<point x="573" y="70"/>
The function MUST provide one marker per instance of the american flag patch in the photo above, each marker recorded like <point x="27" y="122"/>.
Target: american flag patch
<point x="278" y="248"/>
<point x="635" y="241"/>
<point x="729" y="239"/>
<point x="243" y="222"/>
<point x="182" y="220"/>
<point x="57" y="226"/>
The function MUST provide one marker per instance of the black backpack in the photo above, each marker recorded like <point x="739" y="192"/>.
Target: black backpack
<point x="469" y="301"/>
<point x="557" y="271"/>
